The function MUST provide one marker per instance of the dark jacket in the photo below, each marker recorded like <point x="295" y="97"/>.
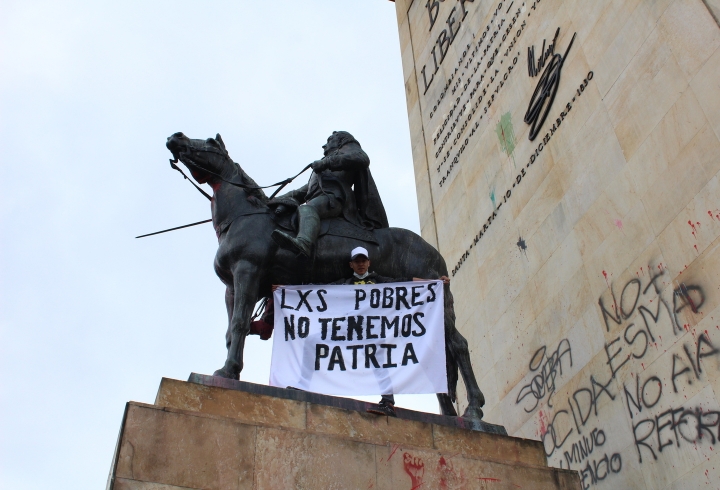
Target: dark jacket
<point x="372" y="278"/>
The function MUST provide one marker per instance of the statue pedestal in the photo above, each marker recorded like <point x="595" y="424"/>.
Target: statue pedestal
<point x="215" y="433"/>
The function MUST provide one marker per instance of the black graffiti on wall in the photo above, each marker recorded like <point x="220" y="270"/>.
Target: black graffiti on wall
<point x="585" y="453"/>
<point x="675" y="426"/>
<point x="684" y="296"/>
<point x="574" y="417"/>
<point x="547" y="367"/>
<point x="637" y="312"/>
<point x="542" y="99"/>
<point x="692" y="425"/>
<point x="596" y="469"/>
<point x="568" y="432"/>
<point x="537" y="64"/>
<point x="637" y="315"/>
<point x="678" y="362"/>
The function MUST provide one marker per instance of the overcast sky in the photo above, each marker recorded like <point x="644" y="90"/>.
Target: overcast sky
<point x="89" y="91"/>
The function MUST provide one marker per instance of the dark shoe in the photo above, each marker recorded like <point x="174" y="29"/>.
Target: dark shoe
<point x="383" y="409"/>
<point x="297" y="245"/>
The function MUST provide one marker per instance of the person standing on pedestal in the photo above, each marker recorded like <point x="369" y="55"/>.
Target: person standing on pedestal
<point x="360" y="264"/>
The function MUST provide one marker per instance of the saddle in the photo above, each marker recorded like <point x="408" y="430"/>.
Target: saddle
<point x="288" y="220"/>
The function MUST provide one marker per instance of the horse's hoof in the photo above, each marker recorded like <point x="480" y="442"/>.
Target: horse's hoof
<point x="222" y="373"/>
<point x="474" y="413"/>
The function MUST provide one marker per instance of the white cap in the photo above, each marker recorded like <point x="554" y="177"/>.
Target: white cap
<point x="359" y="251"/>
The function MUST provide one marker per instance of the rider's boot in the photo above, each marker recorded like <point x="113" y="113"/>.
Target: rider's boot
<point x="308" y="230"/>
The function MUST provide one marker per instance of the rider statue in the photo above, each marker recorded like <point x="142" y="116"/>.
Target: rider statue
<point x="341" y="186"/>
<point x="340" y="190"/>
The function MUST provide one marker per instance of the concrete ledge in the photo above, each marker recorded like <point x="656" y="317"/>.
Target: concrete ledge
<point x="164" y="448"/>
<point x="344" y="418"/>
<point x="339" y="402"/>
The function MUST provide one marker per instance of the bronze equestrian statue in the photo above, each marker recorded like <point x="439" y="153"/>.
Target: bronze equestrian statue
<point x="256" y="248"/>
<point x="340" y="185"/>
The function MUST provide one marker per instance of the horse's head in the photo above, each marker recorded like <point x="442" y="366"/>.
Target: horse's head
<point x="206" y="159"/>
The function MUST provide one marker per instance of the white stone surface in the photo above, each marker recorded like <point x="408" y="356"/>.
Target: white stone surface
<point x="600" y="273"/>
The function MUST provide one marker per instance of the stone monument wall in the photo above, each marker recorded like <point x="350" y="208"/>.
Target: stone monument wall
<point x="566" y="158"/>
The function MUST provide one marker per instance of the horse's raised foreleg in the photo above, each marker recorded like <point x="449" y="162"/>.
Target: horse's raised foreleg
<point x="245" y="288"/>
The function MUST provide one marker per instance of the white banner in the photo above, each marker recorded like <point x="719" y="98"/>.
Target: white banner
<point x="360" y="340"/>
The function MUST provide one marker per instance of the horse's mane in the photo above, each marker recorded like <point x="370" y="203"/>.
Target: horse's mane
<point x="256" y="197"/>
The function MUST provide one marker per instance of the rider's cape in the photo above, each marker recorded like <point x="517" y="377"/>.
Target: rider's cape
<point x="362" y="205"/>
<point x="369" y="211"/>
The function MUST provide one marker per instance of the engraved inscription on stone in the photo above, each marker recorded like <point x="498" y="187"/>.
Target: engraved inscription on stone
<point x="576" y="205"/>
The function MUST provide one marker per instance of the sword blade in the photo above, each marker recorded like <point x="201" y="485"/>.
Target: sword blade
<point x="176" y="228"/>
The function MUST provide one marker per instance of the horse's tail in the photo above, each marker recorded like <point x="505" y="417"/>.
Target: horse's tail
<point x="450" y="361"/>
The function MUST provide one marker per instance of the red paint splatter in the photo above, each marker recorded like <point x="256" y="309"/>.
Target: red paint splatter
<point x="415" y="468"/>
<point x="696" y="249"/>
<point x="694" y="230"/>
<point x="543" y="420"/>
<point x="394" y="448"/>
<point x="449" y="478"/>
<point x="619" y="224"/>
<point x="605" y="275"/>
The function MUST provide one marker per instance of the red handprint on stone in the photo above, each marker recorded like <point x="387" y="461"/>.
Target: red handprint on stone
<point x="415" y="468"/>
<point x="448" y="477"/>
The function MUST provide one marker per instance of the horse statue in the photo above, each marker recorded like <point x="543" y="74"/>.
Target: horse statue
<point x="249" y="261"/>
